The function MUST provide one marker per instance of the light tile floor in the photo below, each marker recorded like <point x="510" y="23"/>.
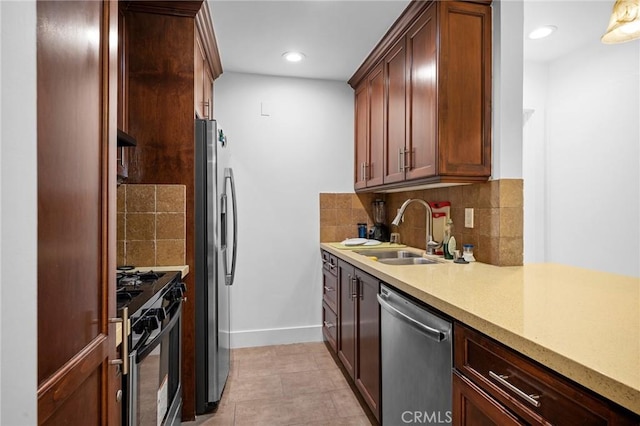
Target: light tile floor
<point x="298" y="384"/>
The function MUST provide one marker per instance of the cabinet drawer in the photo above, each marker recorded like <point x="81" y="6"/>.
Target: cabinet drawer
<point x="330" y="289"/>
<point x="330" y="326"/>
<point x="472" y="406"/>
<point x="330" y="263"/>
<point x="529" y="390"/>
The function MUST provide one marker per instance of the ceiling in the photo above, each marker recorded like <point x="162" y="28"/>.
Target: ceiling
<point x="578" y="22"/>
<point x="336" y="36"/>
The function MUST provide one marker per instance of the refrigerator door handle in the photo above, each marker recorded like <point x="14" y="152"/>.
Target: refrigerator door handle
<point x="228" y="174"/>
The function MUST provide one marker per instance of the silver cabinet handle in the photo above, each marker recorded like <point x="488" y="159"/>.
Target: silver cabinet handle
<point x="328" y="289"/>
<point x="326" y="262"/>
<point x="407" y="164"/>
<point x="354" y="288"/>
<point x="328" y="324"/>
<point x="361" y="288"/>
<point x="530" y="398"/>
<point x="124" y="362"/>
<point x="367" y="171"/>
<point x="401" y="155"/>
<point x="362" y="171"/>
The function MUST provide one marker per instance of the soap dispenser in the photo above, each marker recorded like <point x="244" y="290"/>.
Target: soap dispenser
<point x="448" y="240"/>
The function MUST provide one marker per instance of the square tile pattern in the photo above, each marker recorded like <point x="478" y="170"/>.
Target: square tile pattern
<point x="151" y="225"/>
<point x="498" y="216"/>
<point x="297" y="384"/>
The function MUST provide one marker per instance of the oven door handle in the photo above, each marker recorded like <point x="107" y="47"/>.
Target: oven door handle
<point x="146" y="350"/>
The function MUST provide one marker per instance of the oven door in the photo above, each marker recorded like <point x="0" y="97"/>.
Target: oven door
<point x="154" y="390"/>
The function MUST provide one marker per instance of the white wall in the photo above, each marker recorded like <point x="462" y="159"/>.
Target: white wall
<point x="534" y="162"/>
<point x="506" y="153"/>
<point x="18" y="214"/>
<point x="281" y="163"/>
<point x="592" y="158"/>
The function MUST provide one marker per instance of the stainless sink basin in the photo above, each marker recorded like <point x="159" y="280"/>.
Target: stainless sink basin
<point x="388" y="254"/>
<point x="409" y="261"/>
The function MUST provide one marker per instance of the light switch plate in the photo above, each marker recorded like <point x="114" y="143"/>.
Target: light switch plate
<point x="468" y="218"/>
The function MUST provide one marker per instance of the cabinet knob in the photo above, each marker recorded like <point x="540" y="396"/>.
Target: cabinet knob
<point x="119" y="395"/>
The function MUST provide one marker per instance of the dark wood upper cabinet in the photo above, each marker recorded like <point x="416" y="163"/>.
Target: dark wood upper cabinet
<point x="436" y="67"/>
<point x="395" y="112"/>
<point x="369" y="136"/>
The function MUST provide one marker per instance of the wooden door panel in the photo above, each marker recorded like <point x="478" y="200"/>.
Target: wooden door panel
<point x="465" y="89"/>
<point x="198" y="79"/>
<point x="361" y="134"/>
<point x="375" y="169"/>
<point x="83" y="406"/>
<point x="396" y="103"/>
<point x="422" y="97"/>
<point x="347" y="319"/>
<point x="473" y="407"/>
<point x="368" y="365"/>
<point x="77" y="118"/>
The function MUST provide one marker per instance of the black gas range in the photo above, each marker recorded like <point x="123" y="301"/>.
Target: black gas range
<point x="135" y="289"/>
<point x="151" y="304"/>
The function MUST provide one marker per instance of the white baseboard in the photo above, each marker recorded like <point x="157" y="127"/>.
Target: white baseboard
<point x="276" y="336"/>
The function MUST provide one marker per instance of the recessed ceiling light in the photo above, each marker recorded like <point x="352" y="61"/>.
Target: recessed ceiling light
<point x="293" y="56"/>
<point x="542" y="32"/>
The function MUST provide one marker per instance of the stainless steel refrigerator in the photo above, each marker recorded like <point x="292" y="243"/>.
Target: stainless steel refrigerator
<point x="215" y="261"/>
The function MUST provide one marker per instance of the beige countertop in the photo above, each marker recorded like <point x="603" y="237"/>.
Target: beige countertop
<point x="584" y="324"/>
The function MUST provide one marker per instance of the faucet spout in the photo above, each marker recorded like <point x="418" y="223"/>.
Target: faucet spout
<point x="430" y="244"/>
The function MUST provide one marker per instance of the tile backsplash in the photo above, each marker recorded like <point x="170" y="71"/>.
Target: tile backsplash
<point x="151" y="225"/>
<point x="498" y="216"/>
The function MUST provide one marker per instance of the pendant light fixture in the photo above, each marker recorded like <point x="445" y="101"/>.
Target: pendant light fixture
<point x="624" y="24"/>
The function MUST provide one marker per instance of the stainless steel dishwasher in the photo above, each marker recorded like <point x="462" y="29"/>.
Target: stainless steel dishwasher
<point x="416" y="352"/>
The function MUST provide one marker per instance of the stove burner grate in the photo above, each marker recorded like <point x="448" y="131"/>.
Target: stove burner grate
<point x="136" y="278"/>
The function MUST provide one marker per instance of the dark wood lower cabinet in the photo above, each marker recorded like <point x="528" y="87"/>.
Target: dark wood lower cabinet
<point x="359" y="331"/>
<point x="492" y="381"/>
<point x="347" y="315"/>
<point x="473" y="407"/>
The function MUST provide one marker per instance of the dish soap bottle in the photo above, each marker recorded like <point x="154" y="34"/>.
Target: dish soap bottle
<point x="448" y="240"/>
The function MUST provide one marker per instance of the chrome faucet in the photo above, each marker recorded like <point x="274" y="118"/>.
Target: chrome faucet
<point x="430" y="244"/>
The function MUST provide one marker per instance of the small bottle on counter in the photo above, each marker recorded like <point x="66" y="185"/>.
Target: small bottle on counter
<point x="467" y="253"/>
<point x="362" y="230"/>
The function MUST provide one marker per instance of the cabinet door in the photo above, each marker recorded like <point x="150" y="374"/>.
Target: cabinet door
<point x="329" y="289"/>
<point x="199" y="77"/>
<point x="361" y="134"/>
<point x="207" y="86"/>
<point x="368" y="366"/>
<point x="374" y="169"/>
<point x="123" y="115"/>
<point x="347" y="316"/>
<point x="395" y="78"/>
<point x="422" y="96"/>
<point x="465" y="89"/>
<point x="473" y="407"/>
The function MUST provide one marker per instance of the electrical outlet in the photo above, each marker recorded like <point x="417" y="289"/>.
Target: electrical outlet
<point x="468" y="218"/>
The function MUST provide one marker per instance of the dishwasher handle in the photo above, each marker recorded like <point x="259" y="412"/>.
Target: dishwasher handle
<point x="430" y="332"/>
